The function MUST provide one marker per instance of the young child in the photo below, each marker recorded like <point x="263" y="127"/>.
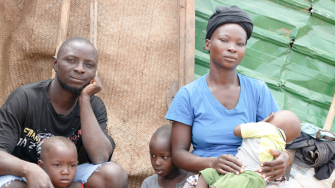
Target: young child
<point x="59" y="160"/>
<point x="167" y="174"/>
<point x="273" y="132"/>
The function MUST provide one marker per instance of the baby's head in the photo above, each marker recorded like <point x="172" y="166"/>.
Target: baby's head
<point x="161" y="151"/>
<point x="287" y="121"/>
<point x="59" y="160"/>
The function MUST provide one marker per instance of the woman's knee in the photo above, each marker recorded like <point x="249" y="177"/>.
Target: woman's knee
<point x="109" y="175"/>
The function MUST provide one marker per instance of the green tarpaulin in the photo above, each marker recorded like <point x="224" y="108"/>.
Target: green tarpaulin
<point x="292" y="49"/>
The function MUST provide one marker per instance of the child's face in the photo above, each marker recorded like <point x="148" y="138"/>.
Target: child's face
<point x="61" y="165"/>
<point x="161" y="156"/>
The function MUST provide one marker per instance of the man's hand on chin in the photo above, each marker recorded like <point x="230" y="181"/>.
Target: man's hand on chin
<point x="92" y="88"/>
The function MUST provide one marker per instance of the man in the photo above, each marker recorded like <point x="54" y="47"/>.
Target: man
<point x="65" y="106"/>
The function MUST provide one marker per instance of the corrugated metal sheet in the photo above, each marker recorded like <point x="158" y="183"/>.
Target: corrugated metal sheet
<point x="292" y="49"/>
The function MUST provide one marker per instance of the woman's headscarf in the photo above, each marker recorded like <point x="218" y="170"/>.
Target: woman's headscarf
<point x="233" y="14"/>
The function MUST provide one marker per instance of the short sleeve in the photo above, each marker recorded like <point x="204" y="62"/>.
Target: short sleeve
<point x="258" y="130"/>
<point x="12" y="115"/>
<point x="266" y="103"/>
<point x="180" y="109"/>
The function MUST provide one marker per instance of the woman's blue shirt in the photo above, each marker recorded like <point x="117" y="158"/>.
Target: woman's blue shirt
<point x="212" y="124"/>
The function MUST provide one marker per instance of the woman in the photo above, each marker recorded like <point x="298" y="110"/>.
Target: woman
<point x="206" y="111"/>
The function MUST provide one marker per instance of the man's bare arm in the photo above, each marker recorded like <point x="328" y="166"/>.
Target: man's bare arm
<point x="97" y="145"/>
<point x="35" y="176"/>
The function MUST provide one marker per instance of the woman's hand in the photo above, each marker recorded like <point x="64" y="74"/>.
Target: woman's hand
<point x="228" y="163"/>
<point x="276" y="168"/>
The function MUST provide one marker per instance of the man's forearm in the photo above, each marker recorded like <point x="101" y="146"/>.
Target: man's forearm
<point x="35" y="176"/>
<point x="97" y="145"/>
<point x="11" y="165"/>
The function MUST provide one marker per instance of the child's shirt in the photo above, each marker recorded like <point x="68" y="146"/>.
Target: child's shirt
<point x="258" y="138"/>
<point x="152" y="181"/>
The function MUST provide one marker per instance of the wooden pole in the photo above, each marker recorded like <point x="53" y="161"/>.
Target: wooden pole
<point x="330" y="116"/>
<point x="182" y="36"/>
<point x="64" y="23"/>
<point x="329" y="121"/>
<point x="93" y="23"/>
<point x="186" y="41"/>
<point x="190" y="41"/>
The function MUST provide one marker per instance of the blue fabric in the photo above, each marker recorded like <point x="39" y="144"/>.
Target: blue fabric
<point x="84" y="171"/>
<point x="212" y="124"/>
<point x="311" y="130"/>
<point x="6" y="179"/>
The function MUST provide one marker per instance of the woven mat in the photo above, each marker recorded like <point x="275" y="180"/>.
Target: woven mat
<point x="138" y="58"/>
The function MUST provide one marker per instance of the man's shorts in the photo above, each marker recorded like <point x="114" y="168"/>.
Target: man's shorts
<point x="84" y="171"/>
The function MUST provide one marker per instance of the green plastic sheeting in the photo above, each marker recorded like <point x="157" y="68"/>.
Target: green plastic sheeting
<point x="292" y="49"/>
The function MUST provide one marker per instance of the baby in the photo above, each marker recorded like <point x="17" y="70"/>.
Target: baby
<point x="273" y="132"/>
<point x="167" y="174"/>
<point x="59" y="160"/>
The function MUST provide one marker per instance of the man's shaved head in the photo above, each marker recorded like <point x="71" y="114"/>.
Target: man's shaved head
<point x="73" y="39"/>
<point x="55" y="141"/>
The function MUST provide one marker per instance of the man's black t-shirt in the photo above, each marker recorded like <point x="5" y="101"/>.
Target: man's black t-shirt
<point x="28" y="118"/>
